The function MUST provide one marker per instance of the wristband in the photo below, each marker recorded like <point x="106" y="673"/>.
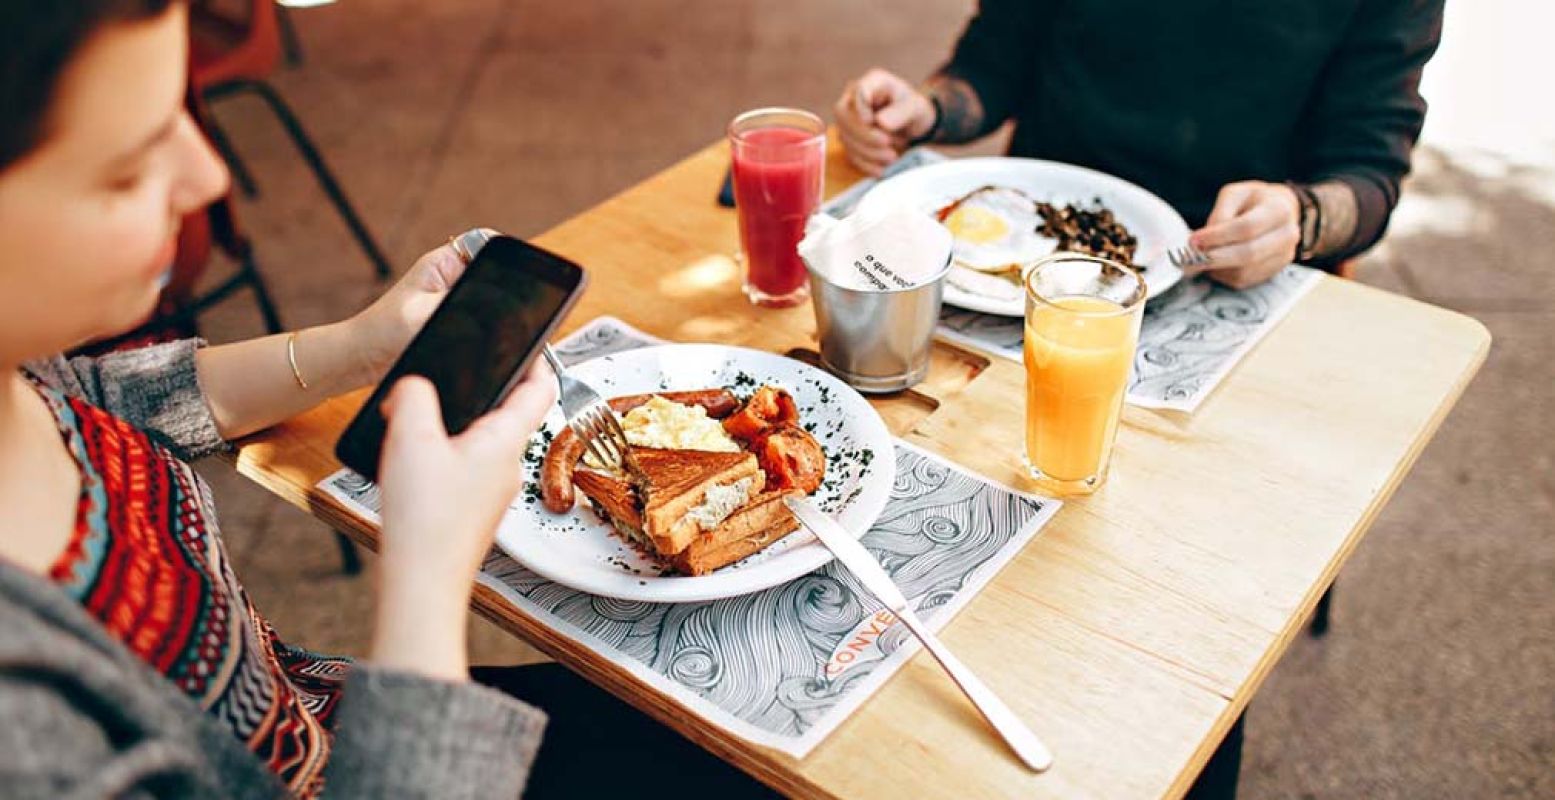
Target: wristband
<point x="1309" y="222"/>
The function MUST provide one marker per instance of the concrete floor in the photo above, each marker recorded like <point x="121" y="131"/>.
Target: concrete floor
<point x="1439" y="677"/>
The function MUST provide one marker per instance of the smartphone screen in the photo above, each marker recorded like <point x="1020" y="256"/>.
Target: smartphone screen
<point x="477" y="342"/>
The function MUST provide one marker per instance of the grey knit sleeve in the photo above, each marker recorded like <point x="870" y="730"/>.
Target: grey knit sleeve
<point x="54" y="746"/>
<point x="154" y="388"/>
<point x="398" y="735"/>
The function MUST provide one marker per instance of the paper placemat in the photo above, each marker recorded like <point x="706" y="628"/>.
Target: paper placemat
<point x="1191" y="336"/>
<point x="1190" y="339"/>
<point x="785" y="666"/>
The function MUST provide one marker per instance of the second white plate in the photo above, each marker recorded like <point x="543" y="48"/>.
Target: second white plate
<point x="1155" y="224"/>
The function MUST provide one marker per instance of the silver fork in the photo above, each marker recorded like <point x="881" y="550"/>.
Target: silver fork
<point x="589" y="417"/>
<point x="1187" y="256"/>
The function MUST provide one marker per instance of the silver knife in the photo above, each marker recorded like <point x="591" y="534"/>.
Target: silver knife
<point x="874" y="578"/>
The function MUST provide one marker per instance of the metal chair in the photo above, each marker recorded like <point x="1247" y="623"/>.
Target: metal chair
<point x="232" y="54"/>
<point x="289" y="41"/>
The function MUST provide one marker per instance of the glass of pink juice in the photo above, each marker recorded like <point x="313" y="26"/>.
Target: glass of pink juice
<point x="779" y="158"/>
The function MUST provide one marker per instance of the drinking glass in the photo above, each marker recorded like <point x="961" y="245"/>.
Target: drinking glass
<point x="778" y="157"/>
<point x="1082" y="326"/>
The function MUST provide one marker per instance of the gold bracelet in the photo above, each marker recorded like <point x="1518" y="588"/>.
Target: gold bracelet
<point x="291" y="357"/>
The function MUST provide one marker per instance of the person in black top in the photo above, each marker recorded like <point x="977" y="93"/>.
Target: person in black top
<point x="1279" y="130"/>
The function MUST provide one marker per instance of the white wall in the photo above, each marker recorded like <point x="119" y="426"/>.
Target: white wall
<point x="1491" y="86"/>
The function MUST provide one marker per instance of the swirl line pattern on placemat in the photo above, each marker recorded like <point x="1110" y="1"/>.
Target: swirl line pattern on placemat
<point x="1190" y="339"/>
<point x="770" y="666"/>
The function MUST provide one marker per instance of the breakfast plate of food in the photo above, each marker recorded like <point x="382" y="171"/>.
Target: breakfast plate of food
<point x="1005" y="213"/>
<point x="717" y="437"/>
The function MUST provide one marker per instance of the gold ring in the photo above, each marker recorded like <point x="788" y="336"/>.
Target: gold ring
<point x="467" y="244"/>
<point x="458" y="248"/>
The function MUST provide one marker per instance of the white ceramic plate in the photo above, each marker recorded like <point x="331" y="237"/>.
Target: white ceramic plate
<point x="577" y="549"/>
<point x="1155" y="224"/>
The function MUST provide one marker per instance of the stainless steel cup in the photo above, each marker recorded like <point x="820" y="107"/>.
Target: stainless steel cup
<point x="877" y="340"/>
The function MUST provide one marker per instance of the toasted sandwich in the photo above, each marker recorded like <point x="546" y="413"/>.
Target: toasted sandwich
<point x="687" y="492"/>
<point x="614" y="500"/>
<point x="696" y="510"/>
<point x="759" y="523"/>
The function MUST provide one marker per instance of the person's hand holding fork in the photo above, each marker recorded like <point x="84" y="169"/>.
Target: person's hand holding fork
<point x="1252" y="233"/>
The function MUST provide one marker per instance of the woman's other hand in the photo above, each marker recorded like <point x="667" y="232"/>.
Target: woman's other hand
<point x="384" y="328"/>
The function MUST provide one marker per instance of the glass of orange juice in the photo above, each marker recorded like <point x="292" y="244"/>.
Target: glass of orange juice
<point x="1082" y="324"/>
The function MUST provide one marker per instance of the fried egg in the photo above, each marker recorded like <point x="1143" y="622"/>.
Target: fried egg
<point x="994" y="229"/>
<point x="1002" y="287"/>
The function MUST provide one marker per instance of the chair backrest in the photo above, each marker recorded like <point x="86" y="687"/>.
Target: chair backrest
<point x="240" y="39"/>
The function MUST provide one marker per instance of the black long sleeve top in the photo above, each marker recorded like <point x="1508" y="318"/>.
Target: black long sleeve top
<point x="1184" y="97"/>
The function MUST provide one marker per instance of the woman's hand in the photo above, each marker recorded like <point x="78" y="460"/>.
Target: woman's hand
<point x="251" y="385"/>
<point x="1252" y="233"/>
<point x="877" y="116"/>
<point x="385" y="327"/>
<point x="442" y="499"/>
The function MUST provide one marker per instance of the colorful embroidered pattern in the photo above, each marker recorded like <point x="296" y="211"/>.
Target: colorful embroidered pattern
<point x="145" y="560"/>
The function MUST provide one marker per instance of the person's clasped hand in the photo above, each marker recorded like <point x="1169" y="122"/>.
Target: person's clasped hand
<point x="878" y="117"/>
<point x="1252" y="233"/>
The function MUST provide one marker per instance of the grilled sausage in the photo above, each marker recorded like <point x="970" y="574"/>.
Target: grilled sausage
<point x="556" y="472"/>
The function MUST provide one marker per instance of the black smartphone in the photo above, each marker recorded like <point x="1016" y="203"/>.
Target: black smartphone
<point x="478" y="342"/>
<point x="726" y="191"/>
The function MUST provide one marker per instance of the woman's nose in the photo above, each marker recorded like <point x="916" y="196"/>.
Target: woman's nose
<point x="202" y="177"/>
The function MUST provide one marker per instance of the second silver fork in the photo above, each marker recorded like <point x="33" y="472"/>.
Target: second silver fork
<point x="588" y="415"/>
<point x="1187" y="256"/>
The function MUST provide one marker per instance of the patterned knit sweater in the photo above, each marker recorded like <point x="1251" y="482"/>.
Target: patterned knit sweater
<point x="147" y="564"/>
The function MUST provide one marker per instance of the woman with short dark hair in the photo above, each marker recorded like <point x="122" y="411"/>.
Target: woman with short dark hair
<point x="131" y="661"/>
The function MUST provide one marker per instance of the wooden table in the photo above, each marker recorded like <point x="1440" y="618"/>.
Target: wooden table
<point x="1133" y="631"/>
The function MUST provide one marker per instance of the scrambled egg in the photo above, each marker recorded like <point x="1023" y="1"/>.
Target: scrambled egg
<point x="674" y="426"/>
